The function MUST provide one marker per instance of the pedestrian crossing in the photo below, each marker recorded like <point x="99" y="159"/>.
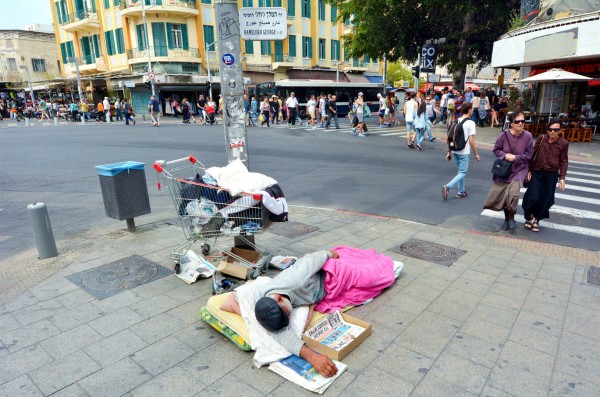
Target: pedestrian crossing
<point x="576" y="209"/>
<point x="399" y="131"/>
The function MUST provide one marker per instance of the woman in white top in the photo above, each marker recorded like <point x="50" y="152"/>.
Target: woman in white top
<point x="322" y="105"/>
<point x="312" y="106"/>
<point x="359" y="120"/>
<point x="264" y="110"/>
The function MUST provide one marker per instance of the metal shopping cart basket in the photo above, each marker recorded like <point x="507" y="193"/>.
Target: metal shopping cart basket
<point x="207" y="212"/>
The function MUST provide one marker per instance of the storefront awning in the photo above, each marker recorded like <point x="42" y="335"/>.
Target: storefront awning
<point x="440" y="86"/>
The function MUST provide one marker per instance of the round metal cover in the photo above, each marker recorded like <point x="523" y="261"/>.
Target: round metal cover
<point x="429" y="251"/>
<point x="124" y="275"/>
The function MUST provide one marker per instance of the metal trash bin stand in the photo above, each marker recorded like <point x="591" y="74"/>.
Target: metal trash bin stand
<point x="124" y="191"/>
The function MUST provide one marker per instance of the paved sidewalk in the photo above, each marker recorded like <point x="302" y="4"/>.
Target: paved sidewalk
<point x="509" y="317"/>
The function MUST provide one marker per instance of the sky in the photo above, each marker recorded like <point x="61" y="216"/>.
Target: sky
<point x="17" y="14"/>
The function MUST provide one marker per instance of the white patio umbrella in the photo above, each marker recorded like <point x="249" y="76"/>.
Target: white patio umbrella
<point x="555" y="76"/>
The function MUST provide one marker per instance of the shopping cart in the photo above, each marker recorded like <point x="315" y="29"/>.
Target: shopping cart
<point x="207" y="212"/>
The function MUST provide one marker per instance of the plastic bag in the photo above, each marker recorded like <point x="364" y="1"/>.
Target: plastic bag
<point x="201" y="210"/>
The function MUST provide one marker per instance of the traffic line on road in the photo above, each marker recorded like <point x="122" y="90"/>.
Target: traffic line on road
<point x="583" y="174"/>
<point x="585" y="231"/>
<point x="582" y="180"/>
<point x="570" y="197"/>
<point x="582" y="188"/>
<point x="575" y="212"/>
<point x="571" y="167"/>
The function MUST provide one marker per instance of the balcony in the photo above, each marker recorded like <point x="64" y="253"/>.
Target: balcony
<point x="355" y="66"/>
<point x="11" y="77"/>
<point x="82" y="20"/>
<point x="283" y="62"/>
<point x="290" y="20"/>
<point x="163" y="54"/>
<point x="87" y="64"/>
<point x="132" y="8"/>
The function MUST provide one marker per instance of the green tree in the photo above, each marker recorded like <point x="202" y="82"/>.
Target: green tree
<point x="396" y="72"/>
<point x="398" y="29"/>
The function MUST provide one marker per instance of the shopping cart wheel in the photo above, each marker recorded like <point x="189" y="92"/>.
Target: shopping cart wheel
<point x="253" y="275"/>
<point x="177" y="268"/>
<point x="205" y="248"/>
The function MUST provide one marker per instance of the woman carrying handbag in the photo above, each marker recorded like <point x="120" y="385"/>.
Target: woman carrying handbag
<point x="547" y="167"/>
<point x="513" y="150"/>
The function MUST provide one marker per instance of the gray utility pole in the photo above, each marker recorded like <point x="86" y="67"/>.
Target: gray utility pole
<point x="30" y="85"/>
<point x="232" y="83"/>
<point x="416" y="78"/>
<point x="148" y="45"/>
<point x="384" y="75"/>
<point x="206" y="47"/>
<point x="76" y="61"/>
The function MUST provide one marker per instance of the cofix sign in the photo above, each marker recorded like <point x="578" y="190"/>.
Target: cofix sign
<point x="428" y="53"/>
<point x="263" y="23"/>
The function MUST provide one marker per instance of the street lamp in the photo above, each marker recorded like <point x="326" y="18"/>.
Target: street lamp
<point x="30" y="85"/>
<point x="148" y="45"/>
<point x="206" y="47"/>
<point x="337" y="62"/>
<point x="76" y="61"/>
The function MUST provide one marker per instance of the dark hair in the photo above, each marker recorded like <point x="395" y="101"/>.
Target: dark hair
<point x="465" y="107"/>
<point x="515" y="114"/>
<point x="554" y="121"/>
<point x="422" y="108"/>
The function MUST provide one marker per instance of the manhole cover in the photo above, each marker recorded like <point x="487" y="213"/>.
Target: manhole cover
<point x="291" y="229"/>
<point x="118" y="276"/>
<point x="428" y="251"/>
<point x="593" y="276"/>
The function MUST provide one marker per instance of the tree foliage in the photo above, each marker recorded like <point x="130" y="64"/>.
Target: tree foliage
<point x="397" y="71"/>
<point x="398" y="29"/>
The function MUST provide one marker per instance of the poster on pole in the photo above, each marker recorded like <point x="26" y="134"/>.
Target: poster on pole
<point x="428" y="54"/>
<point x="263" y="23"/>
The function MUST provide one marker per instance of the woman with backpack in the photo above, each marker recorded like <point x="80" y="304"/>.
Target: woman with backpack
<point x="362" y="111"/>
<point x="421" y="121"/>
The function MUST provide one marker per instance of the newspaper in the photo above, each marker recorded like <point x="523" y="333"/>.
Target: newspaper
<point x="194" y="267"/>
<point x="302" y="373"/>
<point x="283" y="262"/>
<point x="334" y="332"/>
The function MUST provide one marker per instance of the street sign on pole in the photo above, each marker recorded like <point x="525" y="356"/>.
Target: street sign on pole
<point x="435" y="78"/>
<point x="263" y="23"/>
<point x="428" y="54"/>
<point x="129" y="84"/>
<point x="151" y="76"/>
<point x="232" y="82"/>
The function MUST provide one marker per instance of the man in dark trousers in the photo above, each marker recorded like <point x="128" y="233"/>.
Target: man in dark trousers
<point x="332" y="112"/>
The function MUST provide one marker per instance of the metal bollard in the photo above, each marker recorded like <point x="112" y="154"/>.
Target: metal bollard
<point x="143" y="117"/>
<point x="42" y="230"/>
<point x="27" y="121"/>
<point x="55" y="121"/>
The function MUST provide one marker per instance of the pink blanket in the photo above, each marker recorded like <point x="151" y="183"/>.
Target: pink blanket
<point x="357" y="275"/>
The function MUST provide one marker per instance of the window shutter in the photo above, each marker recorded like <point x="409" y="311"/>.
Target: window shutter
<point x="96" y="46"/>
<point x="108" y="43"/>
<point x="63" y="52"/>
<point x="249" y="47"/>
<point x="107" y="4"/>
<point x="292" y="46"/>
<point x="120" y="41"/>
<point x="184" y="35"/>
<point x="291" y="8"/>
<point x="310" y="47"/>
<point x="169" y="36"/>
<point x="70" y="49"/>
<point x="140" y="38"/>
<point x="159" y="39"/>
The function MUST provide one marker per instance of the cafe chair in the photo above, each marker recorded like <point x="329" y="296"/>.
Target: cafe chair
<point x="573" y="134"/>
<point x="538" y="129"/>
<point x="585" y="134"/>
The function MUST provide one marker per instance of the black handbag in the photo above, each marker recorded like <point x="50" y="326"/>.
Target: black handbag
<point x="503" y="168"/>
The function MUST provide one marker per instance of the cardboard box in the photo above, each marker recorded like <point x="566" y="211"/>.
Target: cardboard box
<point x="234" y="268"/>
<point x="340" y="354"/>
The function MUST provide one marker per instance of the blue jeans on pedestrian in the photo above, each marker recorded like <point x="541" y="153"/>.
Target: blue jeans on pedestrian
<point x="410" y="125"/>
<point x="475" y="116"/>
<point x="420" y="135"/>
<point x="335" y="119"/>
<point x="428" y="130"/>
<point x="444" y="114"/>
<point x="462" y="162"/>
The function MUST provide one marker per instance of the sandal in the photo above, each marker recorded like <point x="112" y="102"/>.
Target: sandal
<point x="535" y="227"/>
<point x="529" y="224"/>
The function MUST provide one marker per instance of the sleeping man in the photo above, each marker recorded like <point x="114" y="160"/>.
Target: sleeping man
<point x="323" y="280"/>
<point x="302" y="284"/>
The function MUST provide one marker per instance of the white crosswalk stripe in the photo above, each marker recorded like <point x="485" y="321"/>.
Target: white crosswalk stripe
<point x="580" y="200"/>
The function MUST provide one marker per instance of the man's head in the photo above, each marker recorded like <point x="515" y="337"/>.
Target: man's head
<point x="293" y="94"/>
<point x="333" y="98"/>
<point x="469" y="89"/>
<point x="273" y="312"/>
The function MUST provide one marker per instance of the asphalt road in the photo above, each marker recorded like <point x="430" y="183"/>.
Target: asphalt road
<point x="331" y="169"/>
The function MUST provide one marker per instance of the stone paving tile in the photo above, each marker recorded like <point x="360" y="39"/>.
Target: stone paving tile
<point x="63" y="372"/>
<point x="115" y="347"/>
<point x="549" y="285"/>
<point x="158" y="327"/>
<point x="75" y="298"/>
<point x="24" y="300"/>
<point x="21" y="386"/>
<point x="430" y="345"/>
<point x="418" y="289"/>
<point x="543" y="308"/>
<point x="517" y="381"/>
<point x="398" y="361"/>
<point x="70" y="341"/>
<point x="495" y="315"/>
<point x="117" y="302"/>
<point x="583" y="295"/>
<point x="453" y="310"/>
<point x="173" y="382"/>
<point x="431" y="322"/>
<point x="461" y="372"/>
<point x="527" y="358"/>
<point x="510" y="291"/>
<point x="71" y="391"/>
<point x="186" y="293"/>
<point x="559" y="277"/>
<point x="531" y="337"/>
<point x="374" y="379"/>
<point x="162" y="355"/>
<point x="578" y="345"/>
<point x="8" y="323"/>
<point x="76" y="316"/>
<point x="261" y="379"/>
<point x="116" y="321"/>
<point x="509" y="303"/>
<point x="481" y="328"/>
<point x="39" y="311"/>
<point x="549" y="297"/>
<point x="489" y="391"/>
<point x="475" y="349"/>
<point x="433" y="386"/>
<point x="407" y="303"/>
<point x="115" y="380"/>
<point x="28" y="335"/>
<point x="565" y="385"/>
<point x="381" y="337"/>
<point x="22" y="362"/>
<point x="540" y="323"/>
<point x="388" y="316"/>
<point x="518" y="271"/>
<point x="214" y="362"/>
<point x="160" y="286"/>
<point x="53" y="289"/>
<point x="189" y="312"/>
<point x="197" y="336"/>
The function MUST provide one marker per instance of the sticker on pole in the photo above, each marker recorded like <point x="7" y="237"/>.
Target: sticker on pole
<point x="228" y="59"/>
<point x="151" y="76"/>
<point x="263" y="23"/>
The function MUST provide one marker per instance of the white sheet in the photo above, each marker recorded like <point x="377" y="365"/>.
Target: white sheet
<point x="237" y="179"/>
